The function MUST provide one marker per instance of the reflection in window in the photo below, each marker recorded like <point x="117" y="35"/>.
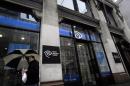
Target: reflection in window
<point x="68" y="59"/>
<point x="82" y="6"/>
<point x="65" y="30"/>
<point x="66" y="3"/>
<point x="17" y="39"/>
<point x="101" y="58"/>
<point x="84" y="61"/>
<point x="94" y="36"/>
<point x="27" y="17"/>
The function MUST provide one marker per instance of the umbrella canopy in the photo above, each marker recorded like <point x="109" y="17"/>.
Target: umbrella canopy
<point x="18" y="63"/>
<point x="29" y="53"/>
<point x="18" y="60"/>
<point x="13" y="55"/>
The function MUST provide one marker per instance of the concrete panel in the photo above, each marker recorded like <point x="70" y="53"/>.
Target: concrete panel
<point x="50" y="35"/>
<point x="51" y="72"/>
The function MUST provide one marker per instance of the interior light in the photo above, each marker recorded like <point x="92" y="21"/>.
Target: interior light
<point x="1" y="35"/>
<point x="22" y="38"/>
<point x="80" y="45"/>
<point x="69" y="44"/>
<point x="115" y="0"/>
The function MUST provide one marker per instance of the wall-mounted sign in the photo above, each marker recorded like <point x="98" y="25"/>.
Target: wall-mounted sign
<point x="116" y="57"/>
<point x="78" y="35"/>
<point x="50" y="54"/>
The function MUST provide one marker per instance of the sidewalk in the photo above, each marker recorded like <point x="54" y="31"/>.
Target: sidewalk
<point x="122" y="84"/>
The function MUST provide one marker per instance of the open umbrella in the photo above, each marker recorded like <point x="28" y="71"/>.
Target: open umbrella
<point x="18" y="60"/>
<point x="29" y="53"/>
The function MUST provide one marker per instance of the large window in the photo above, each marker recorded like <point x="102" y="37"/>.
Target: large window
<point x="108" y="13"/>
<point x="79" y="49"/>
<point x="68" y="55"/>
<point x="11" y="39"/>
<point x="17" y="14"/>
<point x="101" y="59"/>
<point x="66" y="3"/>
<point x="82" y="6"/>
<point x="79" y="5"/>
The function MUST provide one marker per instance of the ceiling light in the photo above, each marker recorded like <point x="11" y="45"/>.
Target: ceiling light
<point x="115" y="0"/>
<point x="22" y="38"/>
<point x="1" y="35"/>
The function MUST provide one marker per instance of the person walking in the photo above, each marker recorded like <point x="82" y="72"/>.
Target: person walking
<point x="32" y="72"/>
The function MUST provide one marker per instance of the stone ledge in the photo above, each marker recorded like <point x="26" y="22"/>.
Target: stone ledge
<point x="121" y="77"/>
<point x="52" y="83"/>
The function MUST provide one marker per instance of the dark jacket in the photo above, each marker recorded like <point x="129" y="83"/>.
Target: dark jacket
<point x="33" y="73"/>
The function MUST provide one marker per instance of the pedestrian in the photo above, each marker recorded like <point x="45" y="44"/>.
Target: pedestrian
<point x="32" y="72"/>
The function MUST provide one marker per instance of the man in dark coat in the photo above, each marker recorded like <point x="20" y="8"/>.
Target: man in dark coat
<point x="32" y="72"/>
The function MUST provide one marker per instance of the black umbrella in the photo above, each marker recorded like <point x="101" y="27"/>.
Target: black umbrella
<point x="18" y="60"/>
<point x="32" y="53"/>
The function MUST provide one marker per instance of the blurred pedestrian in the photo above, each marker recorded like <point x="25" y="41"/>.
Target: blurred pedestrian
<point x="32" y="72"/>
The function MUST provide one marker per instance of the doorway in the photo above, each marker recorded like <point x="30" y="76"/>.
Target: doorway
<point x="86" y="61"/>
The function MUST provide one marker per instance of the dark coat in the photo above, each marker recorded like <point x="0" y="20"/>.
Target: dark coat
<point x="33" y="73"/>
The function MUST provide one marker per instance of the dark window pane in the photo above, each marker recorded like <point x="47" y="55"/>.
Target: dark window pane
<point x="65" y="30"/>
<point x="12" y="39"/>
<point x="101" y="58"/>
<point x="94" y="36"/>
<point x="68" y="59"/>
<point x="66" y="3"/>
<point x="82" y="6"/>
<point x="85" y="65"/>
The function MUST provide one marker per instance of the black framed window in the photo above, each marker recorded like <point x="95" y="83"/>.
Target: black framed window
<point x="94" y="36"/>
<point x="82" y="6"/>
<point x="66" y="3"/>
<point x="12" y="39"/>
<point x="101" y="59"/>
<point x="108" y="13"/>
<point x="69" y="62"/>
<point x="76" y="47"/>
<point x="65" y="30"/>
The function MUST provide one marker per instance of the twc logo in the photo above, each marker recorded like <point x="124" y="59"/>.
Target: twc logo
<point x="78" y="35"/>
<point x="48" y="53"/>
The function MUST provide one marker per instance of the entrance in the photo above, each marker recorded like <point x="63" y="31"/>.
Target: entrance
<point x="86" y="67"/>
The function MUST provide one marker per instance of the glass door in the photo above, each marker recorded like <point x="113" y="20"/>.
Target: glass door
<point x="85" y="62"/>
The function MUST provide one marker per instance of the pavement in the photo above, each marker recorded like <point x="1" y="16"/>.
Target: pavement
<point x="122" y="84"/>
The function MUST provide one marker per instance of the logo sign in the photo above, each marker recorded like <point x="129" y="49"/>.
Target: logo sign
<point x="78" y="35"/>
<point x="50" y="54"/>
<point x="116" y="57"/>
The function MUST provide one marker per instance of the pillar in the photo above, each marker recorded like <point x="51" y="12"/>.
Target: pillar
<point x="49" y="36"/>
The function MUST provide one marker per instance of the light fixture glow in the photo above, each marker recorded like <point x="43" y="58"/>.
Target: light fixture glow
<point x="115" y="0"/>
<point x="22" y="38"/>
<point x="1" y="35"/>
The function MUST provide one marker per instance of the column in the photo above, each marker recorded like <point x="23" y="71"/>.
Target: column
<point x="49" y="36"/>
<point x="116" y="68"/>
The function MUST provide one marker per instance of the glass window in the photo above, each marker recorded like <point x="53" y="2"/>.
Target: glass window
<point x="94" y="36"/>
<point x="101" y="59"/>
<point x="80" y="33"/>
<point x="82" y="6"/>
<point x="65" y="30"/>
<point x="27" y="16"/>
<point x="12" y="39"/>
<point x="68" y="60"/>
<point x="66" y="3"/>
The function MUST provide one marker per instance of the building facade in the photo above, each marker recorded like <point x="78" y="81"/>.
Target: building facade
<point x="80" y="42"/>
<point x="125" y="12"/>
